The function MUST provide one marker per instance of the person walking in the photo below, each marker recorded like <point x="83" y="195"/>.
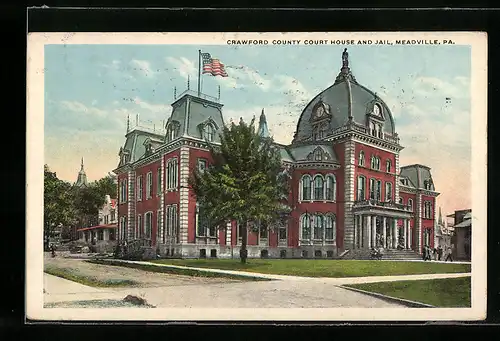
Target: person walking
<point x="440" y="252"/>
<point x="449" y="255"/>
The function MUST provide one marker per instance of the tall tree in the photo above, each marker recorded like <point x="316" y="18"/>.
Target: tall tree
<point x="59" y="208"/>
<point x="244" y="182"/>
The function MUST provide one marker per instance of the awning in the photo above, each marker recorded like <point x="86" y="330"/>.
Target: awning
<point x="465" y="223"/>
<point x="105" y="226"/>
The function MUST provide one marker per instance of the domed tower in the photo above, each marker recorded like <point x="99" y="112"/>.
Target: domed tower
<point x="346" y="154"/>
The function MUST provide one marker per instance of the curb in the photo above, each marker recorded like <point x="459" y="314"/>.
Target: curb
<point x="408" y="303"/>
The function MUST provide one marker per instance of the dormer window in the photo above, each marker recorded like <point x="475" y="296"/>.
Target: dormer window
<point x="318" y="155"/>
<point x="376" y="110"/>
<point x="209" y="132"/>
<point x="320" y="131"/>
<point x="172" y="131"/>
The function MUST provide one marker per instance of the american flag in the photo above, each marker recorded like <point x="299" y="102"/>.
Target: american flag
<point x="212" y="66"/>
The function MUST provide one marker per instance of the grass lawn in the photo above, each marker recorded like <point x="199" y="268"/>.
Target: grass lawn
<point x="444" y="293"/>
<point x="322" y="267"/>
<point x="173" y="271"/>
<point x="75" y="276"/>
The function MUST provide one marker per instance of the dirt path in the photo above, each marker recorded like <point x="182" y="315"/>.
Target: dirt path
<point x="145" y="279"/>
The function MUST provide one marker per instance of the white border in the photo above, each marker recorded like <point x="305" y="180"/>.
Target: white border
<point x="35" y="162"/>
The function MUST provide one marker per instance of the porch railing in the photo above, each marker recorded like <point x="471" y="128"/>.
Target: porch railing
<point x="383" y="204"/>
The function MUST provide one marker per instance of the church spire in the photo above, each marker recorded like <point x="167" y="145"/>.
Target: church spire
<point x="440" y="220"/>
<point x="81" y="181"/>
<point x="263" y="131"/>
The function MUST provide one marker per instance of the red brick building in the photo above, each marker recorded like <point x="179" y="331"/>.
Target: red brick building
<point x="348" y="190"/>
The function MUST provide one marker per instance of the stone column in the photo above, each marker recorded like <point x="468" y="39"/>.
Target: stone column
<point x="384" y="232"/>
<point x="356" y="235"/>
<point x="367" y="229"/>
<point x="405" y="234"/>
<point x="394" y="233"/>
<point x="374" y="231"/>
<point x="410" y="239"/>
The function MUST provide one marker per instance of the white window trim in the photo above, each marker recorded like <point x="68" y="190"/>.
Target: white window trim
<point x="172" y="174"/>
<point x="159" y="184"/>
<point x="361" y="158"/>
<point x="320" y="176"/>
<point x="151" y="227"/>
<point x="139" y="188"/>
<point x="388" y="166"/>
<point x="364" y="188"/>
<point x="388" y="190"/>
<point x="301" y="188"/>
<point x="325" y="185"/>
<point x="410" y="204"/>
<point x="285" y="240"/>
<point x="158" y="224"/>
<point x="149" y="185"/>
<point x="139" y="230"/>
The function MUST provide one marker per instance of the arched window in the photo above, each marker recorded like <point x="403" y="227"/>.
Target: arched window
<point x="331" y="187"/>
<point x="375" y="162"/>
<point x="376" y="110"/>
<point x="388" y="165"/>
<point x="318" y="155"/>
<point x="410" y="204"/>
<point x="361" y="193"/>
<point x="401" y="200"/>
<point x="318" y="227"/>
<point x="372" y="129"/>
<point x="305" y="224"/>
<point x="306" y="187"/>
<point x="361" y="159"/>
<point x="388" y="191"/>
<point x="318" y="187"/>
<point x="209" y="132"/>
<point x="372" y="189"/>
<point x="330" y="228"/>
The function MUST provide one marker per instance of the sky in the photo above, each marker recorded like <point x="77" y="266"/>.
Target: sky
<point x="91" y="89"/>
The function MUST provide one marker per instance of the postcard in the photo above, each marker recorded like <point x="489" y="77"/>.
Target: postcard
<point x="324" y="176"/>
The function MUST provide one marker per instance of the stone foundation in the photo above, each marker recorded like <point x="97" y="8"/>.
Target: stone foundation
<point x="221" y="251"/>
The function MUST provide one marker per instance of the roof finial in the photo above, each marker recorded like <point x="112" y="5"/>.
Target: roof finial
<point x="175" y="92"/>
<point x="188" y="82"/>
<point x="128" y="123"/>
<point x="82" y="164"/>
<point x="136" y="119"/>
<point x="218" y="96"/>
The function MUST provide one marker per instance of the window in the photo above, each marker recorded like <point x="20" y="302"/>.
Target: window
<point x="263" y="231"/>
<point x="388" y="166"/>
<point x="148" y="225"/>
<point x="318" y="227"/>
<point x="318" y="155"/>
<point x="113" y="215"/>
<point x="376" y="110"/>
<point x="318" y="187"/>
<point x="330" y="187"/>
<point x="375" y="162"/>
<point x="361" y="188"/>
<point x="158" y="182"/>
<point x="427" y="210"/>
<point x="372" y="129"/>
<point x="139" y="188"/>
<point x="379" y="190"/>
<point x="171" y="221"/>
<point x="401" y="200"/>
<point x="172" y="172"/>
<point x="158" y="226"/>
<point x="330" y="227"/>
<point x="149" y="185"/>
<point x="306" y="187"/>
<point x="100" y="235"/>
<point x="202" y="165"/>
<point x="306" y="227"/>
<point x="172" y="131"/>
<point x="139" y="232"/>
<point x="201" y="222"/>
<point x="372" y="189"/>
<point x="361" y="159"/>
<point x="209" y="132"/>
<point x="410" y="204"/>
<point x="123" y="228"/>
<point x="388" y="191"/>
<point x="123" y="191"/>
<point x="282" y="233"/>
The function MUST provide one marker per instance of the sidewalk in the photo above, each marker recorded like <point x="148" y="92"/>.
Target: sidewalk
<point x="334" y="281"/>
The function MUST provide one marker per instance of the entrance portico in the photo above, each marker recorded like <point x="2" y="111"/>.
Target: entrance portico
<point x="376" y="225"/>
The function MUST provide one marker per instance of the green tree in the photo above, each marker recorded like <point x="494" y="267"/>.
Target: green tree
<point x="59" y="208"/>
<point x="245" y="182"/>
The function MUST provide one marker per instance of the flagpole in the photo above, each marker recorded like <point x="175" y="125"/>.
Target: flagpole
<point x="199" y="73"/>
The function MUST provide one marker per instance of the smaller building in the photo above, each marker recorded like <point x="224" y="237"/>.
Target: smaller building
<point x="102" y="237"/>
<point x="462" y="237"/>
<point x="444" y="233"/>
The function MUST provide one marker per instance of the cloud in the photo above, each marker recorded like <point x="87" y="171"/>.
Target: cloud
<point x="184" y="67"/>
<point x="142" y="66"/>
<point x="433" y="86"/>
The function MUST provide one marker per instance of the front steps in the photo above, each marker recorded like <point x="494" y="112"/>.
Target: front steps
<point x="400" y="255"/>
